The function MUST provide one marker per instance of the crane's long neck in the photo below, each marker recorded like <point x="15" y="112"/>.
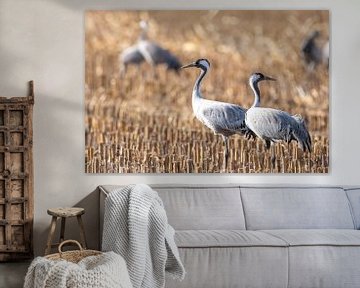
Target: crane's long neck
<point x="197" y="87"/>
<point x="254" y="86"/>
<point x="143" y="35"/>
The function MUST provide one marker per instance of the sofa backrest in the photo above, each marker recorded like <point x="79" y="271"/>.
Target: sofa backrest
<point x="296" y="208"/>
<point x="203" y="207"/>
<point x="233" y="207"/>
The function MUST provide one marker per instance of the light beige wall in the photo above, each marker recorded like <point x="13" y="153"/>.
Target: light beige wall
<point x="44" y="41"/>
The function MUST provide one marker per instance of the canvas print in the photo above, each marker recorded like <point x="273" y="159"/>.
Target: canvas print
<point x="207" y="91"/>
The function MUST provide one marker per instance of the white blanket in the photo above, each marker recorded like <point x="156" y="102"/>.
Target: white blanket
<point x="136" y="227"/>
<point x="102" y="271"/>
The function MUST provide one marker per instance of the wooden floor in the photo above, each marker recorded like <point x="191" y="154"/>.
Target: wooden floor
<point x="12" y="274"/>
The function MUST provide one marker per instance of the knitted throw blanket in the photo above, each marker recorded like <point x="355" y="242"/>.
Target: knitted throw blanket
<point x="136" y="227"/>
<point x="103" y="271"/>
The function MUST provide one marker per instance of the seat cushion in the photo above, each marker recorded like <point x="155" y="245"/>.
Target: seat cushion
<point x="317" y="237"/>
<point x="225" y="238"/>
<point x="220" y="267"/>
<point x="231" y="258"/>
<point x="296" y="208"/>
<point x="322" y="258"/>
<point x="324" y="266"/>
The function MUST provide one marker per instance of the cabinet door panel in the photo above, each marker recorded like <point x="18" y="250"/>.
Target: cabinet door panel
<point x="16" y="183"/>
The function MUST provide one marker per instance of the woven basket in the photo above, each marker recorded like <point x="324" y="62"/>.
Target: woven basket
<point x="72" y="256"/>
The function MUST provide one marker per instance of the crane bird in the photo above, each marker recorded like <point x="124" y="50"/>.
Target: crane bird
<point x="326" y="54"/>
<point x="312" y="53"/>
<point x="222" y="118"/>
<point x="149" y="51"/>
<point x="272" y="125"/>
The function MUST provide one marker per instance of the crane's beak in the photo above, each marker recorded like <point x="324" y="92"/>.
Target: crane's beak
<point x="188" y="66"/>
<point x="269" y="78"/>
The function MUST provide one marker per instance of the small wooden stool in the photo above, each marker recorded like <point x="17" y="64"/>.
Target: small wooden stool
<point x="64" y="213"/>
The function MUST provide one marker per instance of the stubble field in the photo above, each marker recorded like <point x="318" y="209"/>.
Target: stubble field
<point x="144" y="122"/>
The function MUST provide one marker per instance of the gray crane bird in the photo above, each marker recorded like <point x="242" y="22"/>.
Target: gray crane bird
<point x="312" y="53"/>
<point x="326" y="54"/>
<point x="272" y="125"/>
<point x="149" y="51"/>
<point x="222" y="118"/>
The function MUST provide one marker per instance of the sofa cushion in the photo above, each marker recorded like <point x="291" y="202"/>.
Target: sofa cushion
<point x="324" y="266"/>
<point x="226" y="238"/>
<point x="199" y="207"/>
<point x="296" y="208"/>
<point x="317" y="237"/>
<point x="322" y="258"/>
<point x="203" y="208"/>
<point x="223" y="267"/>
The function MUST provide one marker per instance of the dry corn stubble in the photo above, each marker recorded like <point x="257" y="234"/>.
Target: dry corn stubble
<point x="142" y="124"/>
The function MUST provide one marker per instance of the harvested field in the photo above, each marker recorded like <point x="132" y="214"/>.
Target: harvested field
<point x="144" y="123"/>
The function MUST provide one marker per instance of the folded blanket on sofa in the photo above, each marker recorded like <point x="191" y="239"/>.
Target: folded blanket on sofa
<point x="136" y="227"/>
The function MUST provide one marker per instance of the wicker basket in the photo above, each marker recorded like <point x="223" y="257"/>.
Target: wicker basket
<point x="72" y="256"/>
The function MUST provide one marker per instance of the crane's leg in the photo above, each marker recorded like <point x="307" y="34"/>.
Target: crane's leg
<point x="123" y="69"/>
<point x="288" y="146"/>
<point x="269" y="146"/>
<point x="273" y="158"/>
<point x="138" y="68"/>
<point x="226" y="152"/>
<point x="155" y="72"/>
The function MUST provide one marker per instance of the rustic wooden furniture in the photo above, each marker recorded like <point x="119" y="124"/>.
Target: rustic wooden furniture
<point x="16" y="177"/>
<point x="64" y="213"/>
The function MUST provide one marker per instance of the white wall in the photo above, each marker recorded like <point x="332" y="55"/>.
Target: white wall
<point x="43" y="40"/>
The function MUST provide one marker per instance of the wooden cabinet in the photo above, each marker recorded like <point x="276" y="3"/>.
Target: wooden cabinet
<point x="16" y="177"/>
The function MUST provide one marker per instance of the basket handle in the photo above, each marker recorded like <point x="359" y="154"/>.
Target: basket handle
<point x="69" y="241"/>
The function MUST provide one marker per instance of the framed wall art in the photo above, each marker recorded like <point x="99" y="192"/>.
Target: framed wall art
<point x="207" y="91"/>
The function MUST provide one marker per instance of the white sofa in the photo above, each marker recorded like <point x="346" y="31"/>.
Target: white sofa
<point x="242" y="236"/>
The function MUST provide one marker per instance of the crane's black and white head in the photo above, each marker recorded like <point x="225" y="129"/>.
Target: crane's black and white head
<point x="201" y="63"/>
<point x="144" y="25"/>
<point x="314" y="34"/>
<point x="257" y="77"/>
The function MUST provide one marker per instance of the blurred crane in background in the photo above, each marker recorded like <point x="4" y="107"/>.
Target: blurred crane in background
<point x="149" y="51"/>
<point x="272" y="125"/>
<point x="222" y="118"/>
<point x="313" y="53"/>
